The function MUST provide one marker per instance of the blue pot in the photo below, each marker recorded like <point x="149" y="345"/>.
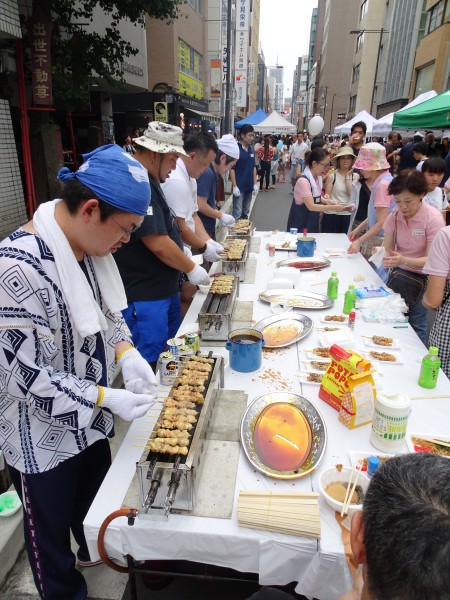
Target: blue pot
<point x="245" y="348"/>
<point x="306" y="246"/>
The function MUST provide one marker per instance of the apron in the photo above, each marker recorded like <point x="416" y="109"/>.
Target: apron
<point x="302" y="218"/>
<point x="440" y="331"/>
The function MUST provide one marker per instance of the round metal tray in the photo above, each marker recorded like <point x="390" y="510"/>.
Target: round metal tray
<point x="305" y="263"/>
<point x="315" y="421"/>
<point x="297" y="299"/>
<point x="300" y="324"/>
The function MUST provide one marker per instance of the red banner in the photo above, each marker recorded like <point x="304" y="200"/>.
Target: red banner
<point x="40" y="31"/>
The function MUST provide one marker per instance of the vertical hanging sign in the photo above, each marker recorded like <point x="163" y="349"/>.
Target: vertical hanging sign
<point x="223" y="39"/>
<point x="40" y="32"/>
<point x="241" y="53"/>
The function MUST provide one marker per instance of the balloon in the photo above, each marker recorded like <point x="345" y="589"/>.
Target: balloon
<point x="315" y="126"/>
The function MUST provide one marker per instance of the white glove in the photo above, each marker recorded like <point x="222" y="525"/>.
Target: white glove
<point x="187" y="251"/>
<point x="199" y="276"/>
<point x="227" y="220"/>
<point x="213" y="251"/>
<point x="256" y="188"/>
<point x="236" y="191"/>
<point x="125" y="404"/>
<point x="138" y="376"/>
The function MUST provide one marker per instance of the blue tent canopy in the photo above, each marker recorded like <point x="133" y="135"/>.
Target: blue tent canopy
<point x="257" y="117"/>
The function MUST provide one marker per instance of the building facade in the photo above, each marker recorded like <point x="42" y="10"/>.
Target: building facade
<point x="299" y="92"/>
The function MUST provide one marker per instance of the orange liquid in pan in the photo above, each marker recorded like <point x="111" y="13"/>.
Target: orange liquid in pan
<point x="282" y="437"/>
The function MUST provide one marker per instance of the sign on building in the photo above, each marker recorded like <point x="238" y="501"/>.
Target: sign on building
<point x="214" y="78"/>
<point x="160" y="110"/>
<point x="241" y="52"/>
<point x="40" y="31"/>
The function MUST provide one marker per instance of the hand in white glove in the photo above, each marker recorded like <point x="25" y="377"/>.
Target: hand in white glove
<point x="198" y="276"/>
<point x="187" y="251"/>
<point x="138" y="376"/>
<point x="213" y="251"/>
<point x="227" y="220"/>
<point x="256" y="188"/>
<point x="125" y="404"/>
<point x="236" y="191"/>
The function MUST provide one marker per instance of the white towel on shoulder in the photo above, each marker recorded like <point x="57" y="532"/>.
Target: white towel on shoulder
<point x="316" y="189"/>
<point x="86" y="313"/>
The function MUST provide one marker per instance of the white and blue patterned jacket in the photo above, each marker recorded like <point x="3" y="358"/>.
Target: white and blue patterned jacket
<point x="48" y="372"/>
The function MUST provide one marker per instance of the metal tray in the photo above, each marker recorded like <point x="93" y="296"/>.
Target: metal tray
<point x="305" y="263"/>
<point x="297" y="299"/>
<point x="314" y="419"/>
<point x="301" y="325"/>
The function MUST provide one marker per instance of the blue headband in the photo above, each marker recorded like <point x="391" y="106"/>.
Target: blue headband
<point x="115" y="177"/>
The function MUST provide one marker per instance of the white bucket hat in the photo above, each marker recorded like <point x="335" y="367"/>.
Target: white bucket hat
<point x="162" y="138"/>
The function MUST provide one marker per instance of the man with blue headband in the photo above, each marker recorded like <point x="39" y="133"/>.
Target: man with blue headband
<point x="61" y="336"/>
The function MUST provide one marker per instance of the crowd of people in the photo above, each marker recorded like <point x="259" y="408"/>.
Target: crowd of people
<point x="103" y="276"/>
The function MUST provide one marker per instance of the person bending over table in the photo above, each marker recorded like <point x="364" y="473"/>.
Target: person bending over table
<point x="151" y="263"/>
<point x="374" y="168"/>
<point x="308" y="202"/>
<point x="62" y="334"/>
<point x="401" y="536"/>
<point x="409" y="232"/>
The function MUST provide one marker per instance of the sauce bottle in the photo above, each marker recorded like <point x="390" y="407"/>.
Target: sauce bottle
<point x="349" y="300"/>
<point x="429" y="370"/>
<point x="333" y="285"/>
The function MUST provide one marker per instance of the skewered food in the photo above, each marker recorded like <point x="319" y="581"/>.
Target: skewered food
<point x="319" y="365"/>
<point x="380" y="340"/>
<point x="234" y="249"/>
<point x="194" y="378"/>
<point x="331" y="328"/>
<point x="167" y="424"/>
<point x="203" y="359"/>
<point x="177" y="410"/>
<point x="314" y="377"/>
<point x="339" y="318"/>
<point x="179" y="417"/>
<point x="383" y="356"/>
<point x="172" y="441"/>
<point x="241" y="227"/>
<point x="178" y="400"/>
<point x="196" y="366"/>
<point x="189" y="388"/>
<point x="172" y="433"/>
<point x="166" y="449"/>
<point x="323" y="352"/>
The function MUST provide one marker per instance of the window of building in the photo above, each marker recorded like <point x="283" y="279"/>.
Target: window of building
<point x="196" y="5"/>
<point x="359" y="41"/>
<point x="423" y="25"/>
<point x="356" y="71"/>
<point x="436" y="15"/>
<point x="352" y="104"/>
<point x="424" y="79"/>
<point x="363" y="9"/>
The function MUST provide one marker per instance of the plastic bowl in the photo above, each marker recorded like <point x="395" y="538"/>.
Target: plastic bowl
<point x="332" y="475"/>
<point x="204" y="289"/>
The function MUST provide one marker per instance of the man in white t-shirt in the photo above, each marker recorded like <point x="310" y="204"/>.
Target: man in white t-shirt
<point x="297" y="156"/>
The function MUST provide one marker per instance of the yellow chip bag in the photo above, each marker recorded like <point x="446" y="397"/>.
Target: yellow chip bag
<point x="357" y="403"/>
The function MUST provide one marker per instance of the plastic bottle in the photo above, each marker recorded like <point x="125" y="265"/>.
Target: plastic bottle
<point x="351" y="319"/>
<point x="349" y="299"/>
<point x="333" y="285"/>
<point x="430" y="368"/>
<point x="372" y="465"/>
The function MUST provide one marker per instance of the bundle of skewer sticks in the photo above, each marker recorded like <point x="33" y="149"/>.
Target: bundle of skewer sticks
<point x="351" y="486"/>
<point x="289" y="513"/>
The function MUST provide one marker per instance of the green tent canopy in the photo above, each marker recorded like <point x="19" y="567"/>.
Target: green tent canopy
<point x="431" y="114"/>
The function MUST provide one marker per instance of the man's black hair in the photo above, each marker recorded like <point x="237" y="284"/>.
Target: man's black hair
<point x="74" y="193"/>
<point x="359" y="124"/>
<point x="200" y="142"/>
<point x="245" y="129"/>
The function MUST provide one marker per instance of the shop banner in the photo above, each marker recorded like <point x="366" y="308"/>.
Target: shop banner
<point x="243" y="15"/>
<point x="215" y="78"/>
<point x="40" y="32"/>
<point x="189" y="86"/>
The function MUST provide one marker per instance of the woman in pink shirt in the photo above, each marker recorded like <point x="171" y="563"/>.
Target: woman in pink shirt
<point x="408" y="233"/>
<point x="438" y="295"/>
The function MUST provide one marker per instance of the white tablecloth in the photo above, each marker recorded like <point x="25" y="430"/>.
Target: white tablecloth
<point x="319" y="567"/>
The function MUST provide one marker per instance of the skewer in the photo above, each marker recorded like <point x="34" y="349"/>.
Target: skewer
<point x="436" y="441"/>
<point x="348" y="495"/>
<point x="429" y="397"/>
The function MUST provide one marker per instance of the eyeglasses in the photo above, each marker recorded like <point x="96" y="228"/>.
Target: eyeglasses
<point x="328" y="164"/>
<point x="126" y="232"/>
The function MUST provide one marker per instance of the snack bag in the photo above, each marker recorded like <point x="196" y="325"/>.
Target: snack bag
<point x="357" y="403"/>
<point x="344" y="363"/>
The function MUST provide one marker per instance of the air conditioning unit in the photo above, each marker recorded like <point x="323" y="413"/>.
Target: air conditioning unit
<point x="7" y="60"/>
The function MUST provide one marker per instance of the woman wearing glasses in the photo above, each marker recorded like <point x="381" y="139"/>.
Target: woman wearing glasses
<point x="308" y="201"/>
<point x="150" y="265"/>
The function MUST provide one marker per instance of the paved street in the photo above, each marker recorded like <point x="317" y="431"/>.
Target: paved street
<point x="271" y="209"/>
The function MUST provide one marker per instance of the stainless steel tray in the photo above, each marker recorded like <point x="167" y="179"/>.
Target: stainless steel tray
<point x="297" y="299"/>
<point x="312" y="263"/>
<point x="293" y="327"/>
<point x="314" y="419"/>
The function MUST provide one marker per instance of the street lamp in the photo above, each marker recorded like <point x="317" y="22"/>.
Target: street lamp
<point x="380" y="31"/>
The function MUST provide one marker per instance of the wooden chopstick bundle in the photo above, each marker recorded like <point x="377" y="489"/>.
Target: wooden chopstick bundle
<point x="289" y="513"/>
<point x="355" y="473"/>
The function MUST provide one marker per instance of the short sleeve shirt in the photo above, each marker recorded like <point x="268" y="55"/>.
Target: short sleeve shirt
<point x="144" y="275"/>
<point x="436" y="198"/>
<point x="206" y="187"/>
<point x="438" y="261"/>
<point x="302" y="189"/>
<point x="180" y="191"/>
<point x="414" y="235"/>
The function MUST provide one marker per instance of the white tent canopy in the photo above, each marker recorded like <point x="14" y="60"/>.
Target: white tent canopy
<point x="361" y="116"/>
<point x="384" y="125"/>
<point x="275" y="123"/>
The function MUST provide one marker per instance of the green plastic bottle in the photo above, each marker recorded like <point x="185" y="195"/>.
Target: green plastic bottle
<point x="333" y="285"/>
<point x="429" y="370"/>
<point x="349" y="299"/>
